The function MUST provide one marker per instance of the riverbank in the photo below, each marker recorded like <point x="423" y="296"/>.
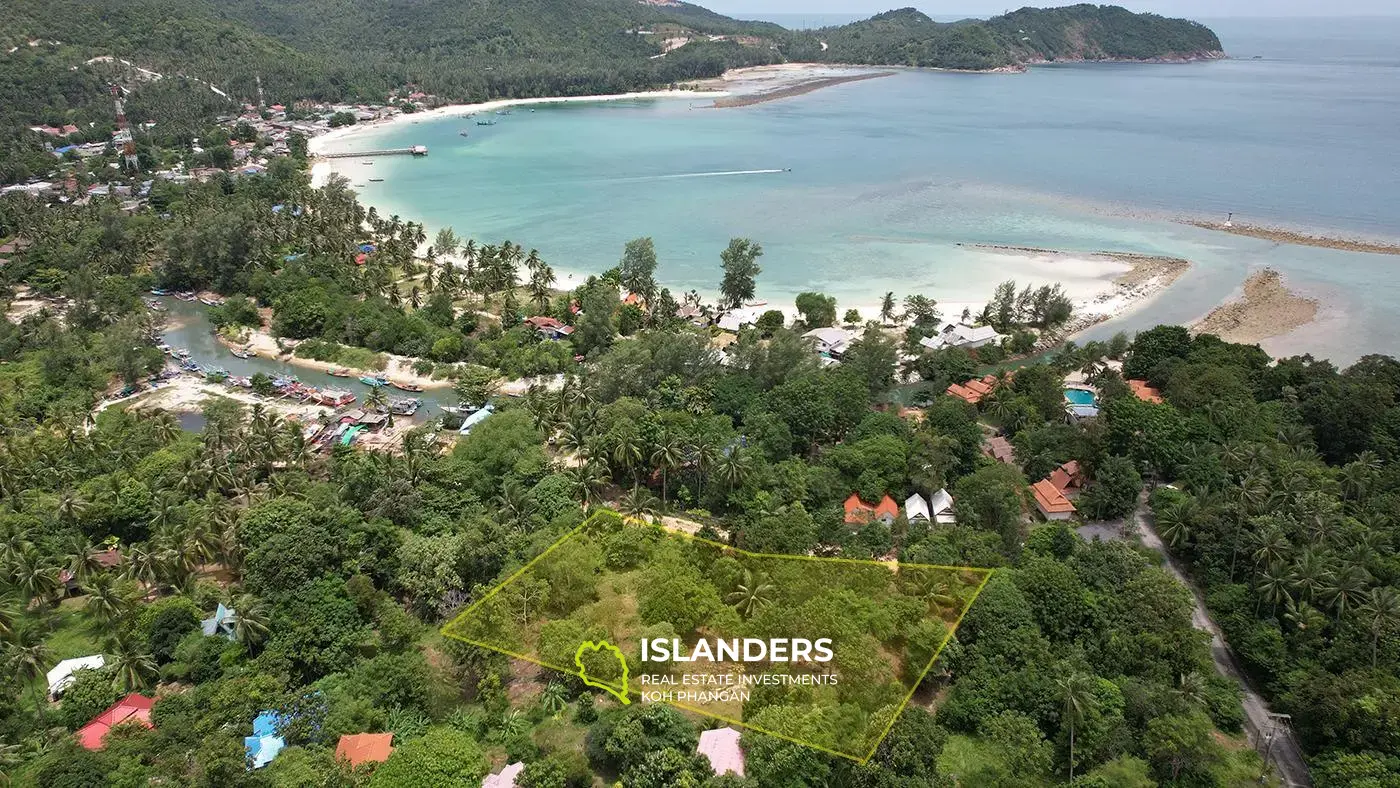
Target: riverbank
<point x="187" y="394"/>
<point x="1285" y="236"/>
<point x="1265" y="309"/>
<point x="396" y="368"/>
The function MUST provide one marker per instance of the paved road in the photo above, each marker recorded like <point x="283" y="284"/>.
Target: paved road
<point x="1284" y="754"/>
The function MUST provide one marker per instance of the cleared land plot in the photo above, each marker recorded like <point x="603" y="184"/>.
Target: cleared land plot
<point x="626" y="582"/>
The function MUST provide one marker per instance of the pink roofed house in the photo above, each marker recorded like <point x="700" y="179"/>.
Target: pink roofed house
<point x="721" y="747"/>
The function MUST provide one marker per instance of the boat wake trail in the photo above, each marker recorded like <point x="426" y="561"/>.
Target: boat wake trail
<point x="717" y="174"/>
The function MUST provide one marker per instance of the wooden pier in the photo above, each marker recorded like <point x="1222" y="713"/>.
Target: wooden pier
<point x="416" y="150"/>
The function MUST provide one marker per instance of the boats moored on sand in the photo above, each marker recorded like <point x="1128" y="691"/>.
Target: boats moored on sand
<point x="339" y="372"/>
<point x="405" y="385"/>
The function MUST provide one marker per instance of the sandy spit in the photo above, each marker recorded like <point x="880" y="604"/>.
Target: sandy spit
<point x="1266" y="309"/>
<point x="794" y="90"/>
<point x="1283" y="236"/>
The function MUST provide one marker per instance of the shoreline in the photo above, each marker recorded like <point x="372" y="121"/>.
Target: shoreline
<point x="1264" y="309"/>
<point x="317" y="145"/>
<point x="1285" y="236"/>
<point x="1147" y="278"/>
<point x="398" y="368"/>
<point x="798" y="89"/>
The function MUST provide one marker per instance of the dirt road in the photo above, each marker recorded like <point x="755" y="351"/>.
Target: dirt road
<point x="1283" y="751"/>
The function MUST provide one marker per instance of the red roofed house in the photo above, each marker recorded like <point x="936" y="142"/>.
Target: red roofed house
<point x="133" y="708"/>
<point x="973" y="390"/>
<point x="548" y="327"/>
<point x="358" y="748"/>
<point x="859" y="512"/>
<point x="1066" y="477"/>
<point x="633" y="299"/>
<point x="1052" y="493"/>
<point x="1145" y="392"/>
<point x="1051" y="502"/>
<point x="360" y="258"/>
<point x="69" y="129"/>
<point x="999" y="449"/>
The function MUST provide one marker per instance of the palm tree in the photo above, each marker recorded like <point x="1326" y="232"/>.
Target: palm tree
<point x="105" y="602"/>
<point x="639" y="503"/>
<point x="887" y="306"/>
<point x="1077" y="695"/>
<point x="28" y="657"/>
<point x="514" y="503"/>
<point x="1175" y="521"/>
<point x="10" y="613"/>
<point x="250" y="625"/>
<point x="586" y="481"/>
<point x="132" y="668"/>
<point x="705" y="454"/>
<point x="1273" y="586"/>
<point x="667" y="456"/>
<point x="1309" y="575"/>
<point x="752" y="594"/>
<point x="734" y="467"/>
<point x="1347" y="587"/>
<point x="33" y="576"/>
<point x="1382" y="610"/>
<point x="376" y="399"/>
<point x="627" y="452"/>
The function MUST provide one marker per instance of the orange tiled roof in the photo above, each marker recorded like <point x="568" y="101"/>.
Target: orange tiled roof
<point x="1145" y="392"/>
<point x="887" y="506"/>
<point x="973" y="390"/>
<point x="858" y="511"/>
<point x="358" y="748"/>
<point x="1066" y="476"/>
<point x="1049" y="499"/>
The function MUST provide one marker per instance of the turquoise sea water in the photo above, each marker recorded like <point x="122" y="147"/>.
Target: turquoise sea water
<point x="872" y="186"/>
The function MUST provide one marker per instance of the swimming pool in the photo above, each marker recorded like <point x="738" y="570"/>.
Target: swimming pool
<point x="1079" y="396"/>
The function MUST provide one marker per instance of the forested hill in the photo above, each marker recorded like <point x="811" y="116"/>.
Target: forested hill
<point x="1030" y="35"/>
<point x="476" y="49"/>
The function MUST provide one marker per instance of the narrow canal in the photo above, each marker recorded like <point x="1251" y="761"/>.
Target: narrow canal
<point x="187" y="326"/>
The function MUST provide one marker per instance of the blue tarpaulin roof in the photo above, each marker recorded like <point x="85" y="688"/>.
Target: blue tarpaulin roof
<point x="264" y="744"/>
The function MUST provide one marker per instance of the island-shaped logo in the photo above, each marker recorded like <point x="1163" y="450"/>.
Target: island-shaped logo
<point x="592" y="650"/>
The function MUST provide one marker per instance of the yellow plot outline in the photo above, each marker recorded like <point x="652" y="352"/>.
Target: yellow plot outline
<point x="986" y="576"/>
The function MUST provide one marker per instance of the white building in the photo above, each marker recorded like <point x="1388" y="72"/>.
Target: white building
<point x="916" y="508"/>
<point x="60" y="677"/>
<point x="941" y="507"/>
<point x="963" y="336"/>
<point x="746" y="315"/>
<point x="830" y="341"/>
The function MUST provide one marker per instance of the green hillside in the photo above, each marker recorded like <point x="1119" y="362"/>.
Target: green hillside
<point x="479" y="49"/>
<point x="1080" y="32"/>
